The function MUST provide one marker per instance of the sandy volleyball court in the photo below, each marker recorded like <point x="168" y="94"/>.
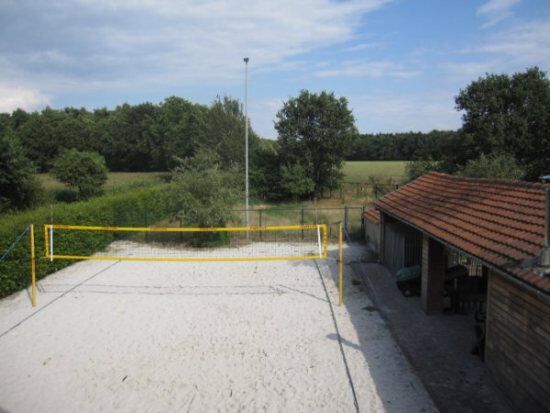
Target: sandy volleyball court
<point x="256" y="336"/>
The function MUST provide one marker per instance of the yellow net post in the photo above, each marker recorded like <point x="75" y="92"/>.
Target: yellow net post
<point x="340" y="265"/>
<point x="46" y="246"/>
<point x="325" y="241"/>
<point x="33" y="266"/>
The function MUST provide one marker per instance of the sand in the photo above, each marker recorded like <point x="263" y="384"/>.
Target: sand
<point x="200" y="337"/>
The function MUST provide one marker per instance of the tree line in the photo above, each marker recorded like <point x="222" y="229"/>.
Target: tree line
<point x="133" y="138"/>
<point x="405" y="146"/>
<point x="505" y="134"/>
<point x="306" y="158"/>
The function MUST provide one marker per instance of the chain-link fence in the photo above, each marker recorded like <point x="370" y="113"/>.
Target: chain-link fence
<point x="350" y="216"/>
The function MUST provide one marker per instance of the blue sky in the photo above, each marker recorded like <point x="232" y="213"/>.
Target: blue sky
<point x="400" y="63"/>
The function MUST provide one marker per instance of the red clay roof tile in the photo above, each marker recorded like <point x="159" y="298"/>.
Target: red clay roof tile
<point x="372" y="214"/>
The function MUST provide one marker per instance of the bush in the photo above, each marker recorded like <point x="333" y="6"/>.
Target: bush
<point x="141" y="207"/>
<point x="416" y="169"/>
<point x="84" y="171"/>
<point x="204" y="195"/>
<point x="499" y="166"/>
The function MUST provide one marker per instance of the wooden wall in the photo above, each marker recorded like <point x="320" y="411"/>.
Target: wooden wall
<point x="372" y="234"/>
<point x="517" y="348"/>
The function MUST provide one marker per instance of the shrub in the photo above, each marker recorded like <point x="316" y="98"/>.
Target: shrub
<point x="84" y="171"/>
<point x="204" y="195"/>
<point x="141" y="207"/>
<point x="416" y="169"/>
<point x="498" y="166"/>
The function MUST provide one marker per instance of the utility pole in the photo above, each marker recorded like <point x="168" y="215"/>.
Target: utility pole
<point x="246" y="140"/>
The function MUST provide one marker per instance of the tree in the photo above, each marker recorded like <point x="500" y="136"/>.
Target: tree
<point x="415" y="169"/>
<point x="265" y="171"/>
<point x="507" y="114"/>
<point x="127" y="137"/>
<point x="86" y="172"/>
<point x="38" y="138"/>
<point x="18" y="186"/>
<point x="315" y="130"/>
<point x="295" y="181"/>
<point x="497" y="166"/>
<point x="204" y="194"/>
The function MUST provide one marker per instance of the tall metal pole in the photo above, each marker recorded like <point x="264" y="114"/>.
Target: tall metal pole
<point x="246" y="138"/>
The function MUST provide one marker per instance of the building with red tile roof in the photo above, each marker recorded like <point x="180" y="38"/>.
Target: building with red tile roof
<point x="504" y="226"/>
<point x="502" y="223"/>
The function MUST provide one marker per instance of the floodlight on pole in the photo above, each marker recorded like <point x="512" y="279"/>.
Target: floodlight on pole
<point x="246" y="59"/>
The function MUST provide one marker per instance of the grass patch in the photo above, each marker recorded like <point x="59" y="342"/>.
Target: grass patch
<point x="115" y="180"/>
<point x="359" y="171"/>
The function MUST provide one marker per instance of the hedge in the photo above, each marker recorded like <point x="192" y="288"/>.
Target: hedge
<point x="141" y="207"/>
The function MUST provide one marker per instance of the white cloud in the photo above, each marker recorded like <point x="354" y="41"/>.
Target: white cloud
<point x="364" y="46"/>
<point x="12" y="98"/>
<point x="496" y="10"/>
<point x="145" y="42"/>
<point x="523" y="44"/>
<point x="470" y="70"/>
<point x="354" y="68"/>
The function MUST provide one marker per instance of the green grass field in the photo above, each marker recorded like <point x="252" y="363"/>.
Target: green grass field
<point x="354" y="171"/>
<point x="359" y="171"/>
<point x="115" y="180"/>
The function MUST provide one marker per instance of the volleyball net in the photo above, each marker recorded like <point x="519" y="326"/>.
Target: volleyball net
<point x="181" y="244"/>
<point x="76" y="242"/>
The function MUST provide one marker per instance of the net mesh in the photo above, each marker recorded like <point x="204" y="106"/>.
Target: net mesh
<point x="186" y="244"/>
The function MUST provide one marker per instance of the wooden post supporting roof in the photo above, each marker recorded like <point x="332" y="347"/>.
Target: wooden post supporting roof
<point x="433" y="275"/>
